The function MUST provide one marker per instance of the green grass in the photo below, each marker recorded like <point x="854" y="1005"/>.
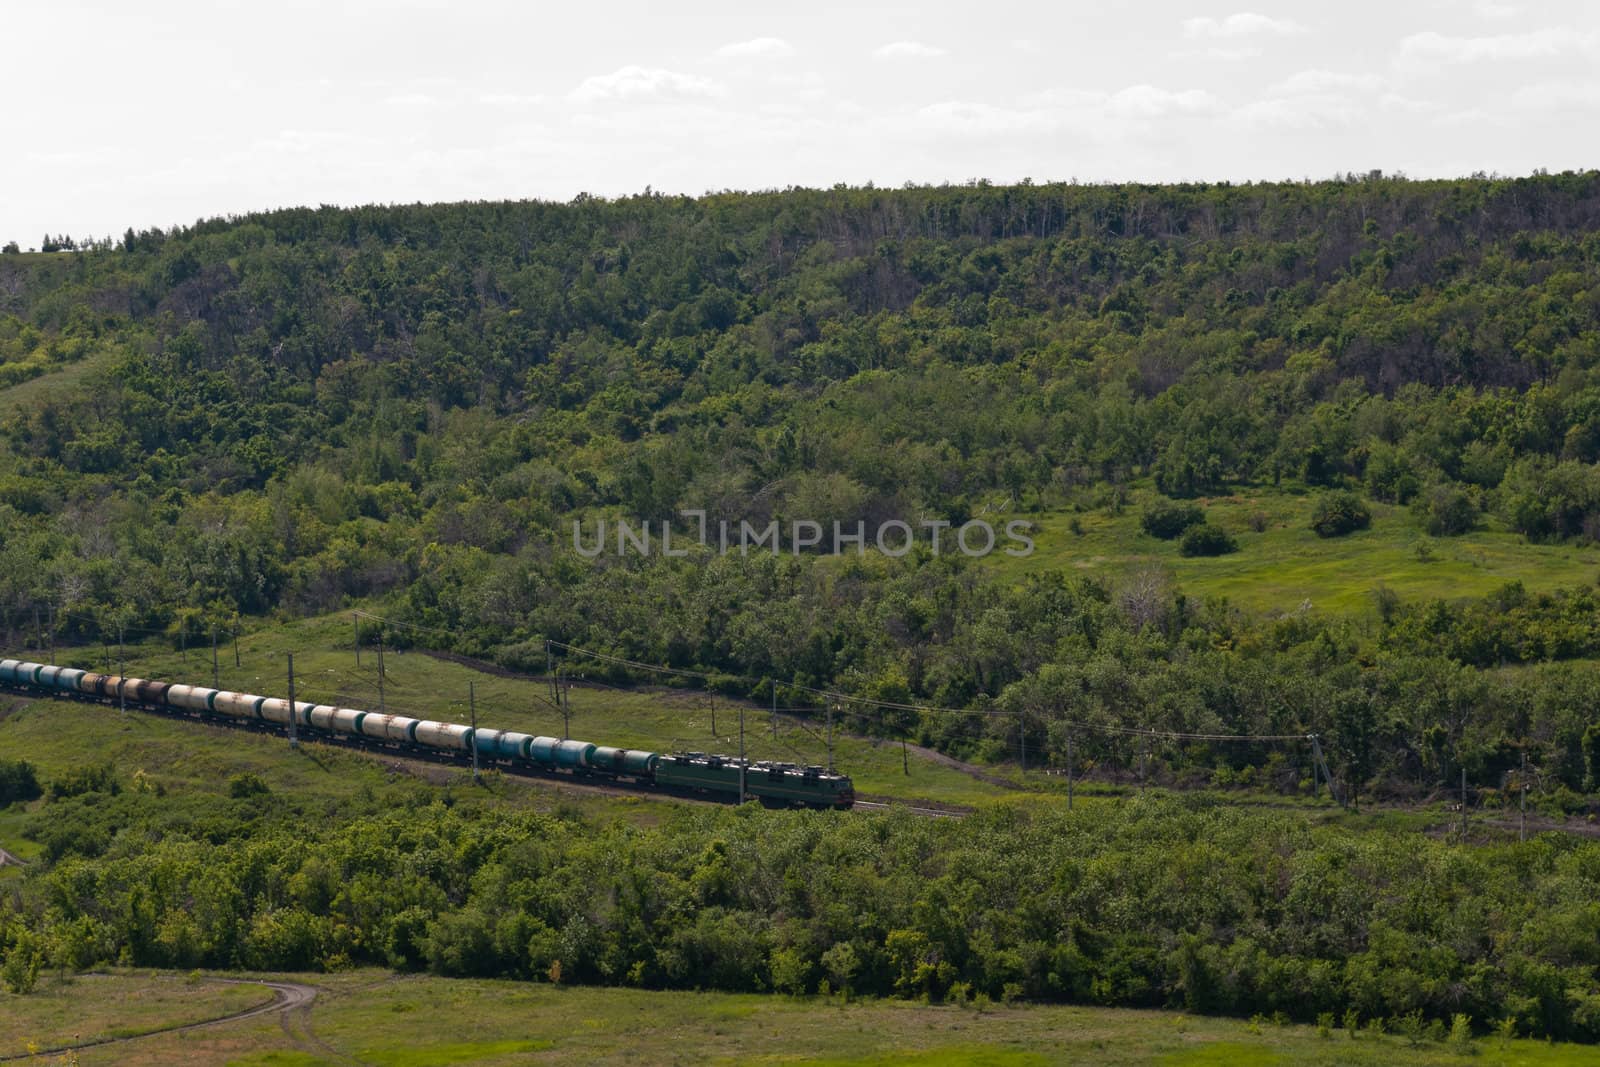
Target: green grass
<point x="44" y="377"/>
<point x="90" y="1008"/>
<point x="1287" y="565"/>
<point x="382" y="1019"/>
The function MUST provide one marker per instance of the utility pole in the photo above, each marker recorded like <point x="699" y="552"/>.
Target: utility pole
<point x="356" y="618"/>
<point x="1522" y="782"/>
<point x="1069" y="770"/>
<point x="774" y="717"/>
<point x="122" y="673"/>
<point x="52" y="633"/>
<point x="236" y="642"/>
<point x="1022" y="735"/>
<point x="744" y="764"/>
<point x="472" y="703"/>
<point x="565" y="687"/>
<point x="215" y="673"/>
<point x="1320" y="761"/>
<point x="905" y="759"/>
<point x="294" y="713"/>
<point x="832" y="706"/>
<point x="381" y="707"/>
<point x="550" y="673"/>
<point x="712" y="694"/>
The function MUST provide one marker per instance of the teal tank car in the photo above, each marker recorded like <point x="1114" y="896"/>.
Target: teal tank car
<point x="509" y="744"/>
<point x="639" y="764"/>
<point x="574" y="753"/>
<point x="542" y="750"/>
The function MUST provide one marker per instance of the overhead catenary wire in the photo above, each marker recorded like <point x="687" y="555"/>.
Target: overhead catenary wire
<point x="833" y="695"/>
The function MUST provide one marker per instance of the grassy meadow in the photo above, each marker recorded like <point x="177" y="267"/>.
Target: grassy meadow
<point x="1286" y="565"/>
<point x="374" y="1018"/>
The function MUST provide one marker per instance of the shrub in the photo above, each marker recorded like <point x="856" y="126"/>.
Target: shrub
<point x="1447" y="511"/>
<point x="100" y="778"/>
<point x="243" y="786"/>
<point x="1337" y="514"/>
<point x="17" y="781"/>
<point x="1207" y="540"/>
<point x="1168" y="519"/>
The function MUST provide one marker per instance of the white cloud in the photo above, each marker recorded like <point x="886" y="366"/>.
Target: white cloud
<point x="1214" y="52"/>
<point x="1134" y="102"/>
<point x="1242" y="24"/>
<point x="634" y="81"/>
<point x="1408" y="105"/>
<point x="1149" y="102"/>
<point x="908" y="50"/>
<point x="1099" y="115"/>
<point x="769" y="47"/>
<point x="1431" y="47"/>
<point x="1491" y="9"/>
<point x="1547" y="97"/>
<point x="967" y="117"/>
<point x="416" y="100"/>
<point x="513" y="99"/>
<point x="1325" y="81"/>
<point x="1308" y="111"/>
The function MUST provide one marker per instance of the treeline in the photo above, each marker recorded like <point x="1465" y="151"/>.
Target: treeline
<point x="1143" y="903"/>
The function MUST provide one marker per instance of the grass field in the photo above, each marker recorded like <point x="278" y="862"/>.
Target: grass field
<point x="96" y="1007"/>
<point x="376" y="1018"/>
<point x="1287" y="564"/>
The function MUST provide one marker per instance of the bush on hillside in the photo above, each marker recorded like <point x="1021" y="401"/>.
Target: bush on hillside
<point x="1168" y="519"/>
<point x="1207" y="539"/>
<point x="1337" y="514"/>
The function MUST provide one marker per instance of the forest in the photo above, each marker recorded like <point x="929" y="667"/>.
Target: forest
<point x="407" y="407"/>
<point x="1179" y="903"/>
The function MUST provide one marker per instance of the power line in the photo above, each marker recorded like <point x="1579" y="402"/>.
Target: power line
<point x="927" y="709"/>
<point x="834" y="695"/>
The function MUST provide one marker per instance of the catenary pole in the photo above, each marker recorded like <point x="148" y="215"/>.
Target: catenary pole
<point x="294" y="712"/>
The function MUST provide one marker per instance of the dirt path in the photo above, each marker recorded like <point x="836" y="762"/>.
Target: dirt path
<point x="6" y="857"/>
<point x="291" y="999"/>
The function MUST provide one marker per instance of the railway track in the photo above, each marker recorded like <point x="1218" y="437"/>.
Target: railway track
<point x="927" y="813"/>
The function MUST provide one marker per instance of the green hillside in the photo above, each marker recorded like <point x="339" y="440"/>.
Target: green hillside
<point x="1315" y="458"/>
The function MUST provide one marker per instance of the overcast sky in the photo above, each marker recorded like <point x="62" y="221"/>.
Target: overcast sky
<point x="158" y="113"/>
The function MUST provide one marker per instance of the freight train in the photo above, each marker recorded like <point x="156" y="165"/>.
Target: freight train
<point x="696" y="773"/>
